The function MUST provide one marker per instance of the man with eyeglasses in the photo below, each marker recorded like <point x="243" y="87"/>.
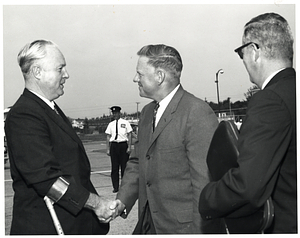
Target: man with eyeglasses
<point x="267" y="142"/>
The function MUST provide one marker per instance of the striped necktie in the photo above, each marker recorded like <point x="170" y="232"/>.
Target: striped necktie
<point x="154" y="115"/>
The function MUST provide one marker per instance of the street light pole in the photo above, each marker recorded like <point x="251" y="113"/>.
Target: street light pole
<point x="229" y="106"/>
<point x="137" y="110"/>
<point x="220" y="71"/>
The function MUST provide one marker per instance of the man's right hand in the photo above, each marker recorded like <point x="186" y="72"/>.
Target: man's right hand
<point x="119" y="207"/>
<point x="103" y="208"/>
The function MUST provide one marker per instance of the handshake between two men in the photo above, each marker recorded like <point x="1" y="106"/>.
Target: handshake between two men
<point x="105" y="209"/>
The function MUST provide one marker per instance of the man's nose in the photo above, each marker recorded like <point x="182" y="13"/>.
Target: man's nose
<point x="136" y="78"/>
<point x="66" y="74"/>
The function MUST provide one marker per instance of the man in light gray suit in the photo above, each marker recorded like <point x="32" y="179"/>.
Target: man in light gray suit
<point x="167" y="170"/>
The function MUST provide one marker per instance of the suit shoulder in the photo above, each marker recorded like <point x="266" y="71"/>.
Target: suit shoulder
<point x="147" y="106"/>
<point x="190" y="96"/>
<point x="194" y="101"/>
<point x="283" y="90"/>
<point x="283" y="84"/>
<point x="25" y="106"/>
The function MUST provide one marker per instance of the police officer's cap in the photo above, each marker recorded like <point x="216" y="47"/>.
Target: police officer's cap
<point x="115" y="109"/>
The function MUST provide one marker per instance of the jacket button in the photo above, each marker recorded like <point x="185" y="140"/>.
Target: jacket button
<point x="148" y="184"/>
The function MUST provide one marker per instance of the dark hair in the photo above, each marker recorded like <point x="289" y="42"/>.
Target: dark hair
<point x="162" y="56"/>
<point x="273" y="34"/>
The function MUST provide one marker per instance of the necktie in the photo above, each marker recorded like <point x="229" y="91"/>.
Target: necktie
<point x="55" y="109"/>
<point x="116" y="137"/>
<point x="61" y="115"/>
<point x="154" y="115"/>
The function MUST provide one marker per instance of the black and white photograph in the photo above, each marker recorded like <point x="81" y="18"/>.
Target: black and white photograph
<point x="149" y="117"/>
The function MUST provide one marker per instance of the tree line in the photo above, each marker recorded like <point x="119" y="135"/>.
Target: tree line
<point x="238" y="109"/>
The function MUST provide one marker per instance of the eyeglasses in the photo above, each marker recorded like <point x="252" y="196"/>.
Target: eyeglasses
<point x="239" y="50"/>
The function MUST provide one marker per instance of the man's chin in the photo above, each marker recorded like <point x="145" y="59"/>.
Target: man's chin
<point x="143" y="95"/>
<point x="58" y="95"/>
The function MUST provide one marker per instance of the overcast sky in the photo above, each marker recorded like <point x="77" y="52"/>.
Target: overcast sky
<point x="100" y="43"/>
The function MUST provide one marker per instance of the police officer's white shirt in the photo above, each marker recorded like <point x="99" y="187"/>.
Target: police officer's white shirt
<point x="124" y="128"/>
<point x="164" y="103"/>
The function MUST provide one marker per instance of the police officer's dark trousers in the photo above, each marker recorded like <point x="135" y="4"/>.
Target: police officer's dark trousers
<point x="119" y="158"/>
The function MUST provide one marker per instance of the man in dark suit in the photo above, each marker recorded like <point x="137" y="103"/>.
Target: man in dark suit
<point x="167" y="170"/>
<point x="46" y="156"/>
<point x="267" y="142"/>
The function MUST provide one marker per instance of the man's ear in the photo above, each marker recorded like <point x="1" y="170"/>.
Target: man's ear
<point x="256" y="52"/>
<point x="161" y="75"/>
<point x="36" y="71"/>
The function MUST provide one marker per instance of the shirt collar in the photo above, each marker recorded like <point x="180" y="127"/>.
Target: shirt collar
<point x="164" y="103"/>
<point x="47" y="101"/>
<point x="269" y="78"/>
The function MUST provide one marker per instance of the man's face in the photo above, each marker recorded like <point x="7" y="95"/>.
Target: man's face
<point x="116" y="115"/>
<point x="53" y="73"/>
<point x="146" y="78"/>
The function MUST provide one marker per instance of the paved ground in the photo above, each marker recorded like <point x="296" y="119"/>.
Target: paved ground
<point x="100" y="164"/>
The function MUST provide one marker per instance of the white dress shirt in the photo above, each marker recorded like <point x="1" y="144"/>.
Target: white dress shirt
<point x="47" y="101"/>
<point x="164" y="103"/>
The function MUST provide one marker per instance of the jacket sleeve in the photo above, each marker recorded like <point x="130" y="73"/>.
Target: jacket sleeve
<point x="264" y="139"/>
<point x="30" y="144"/>
<point x="201" y="125"/>
<point x="129" y="189"/>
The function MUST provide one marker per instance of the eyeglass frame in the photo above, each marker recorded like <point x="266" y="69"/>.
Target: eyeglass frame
<point x="239" y="50"/>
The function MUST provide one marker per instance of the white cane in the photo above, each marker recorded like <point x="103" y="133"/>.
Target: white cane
<point x="49" y="204"/>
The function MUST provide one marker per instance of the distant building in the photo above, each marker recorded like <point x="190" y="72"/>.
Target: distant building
<point x="78" y="124"/>
<point x="229" y="116"/>
<point x="225" y="116"/>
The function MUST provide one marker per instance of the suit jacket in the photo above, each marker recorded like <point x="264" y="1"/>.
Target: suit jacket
<point x="267" y="161"/>
<point x="42" y="147"/>
<point x="168" y="168"/>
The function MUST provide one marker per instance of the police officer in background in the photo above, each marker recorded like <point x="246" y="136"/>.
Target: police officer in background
<point x="118" y="145"/>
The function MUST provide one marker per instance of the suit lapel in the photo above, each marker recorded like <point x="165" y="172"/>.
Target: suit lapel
<point x="61" y="120"/>
<point x="168" y="115"/>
